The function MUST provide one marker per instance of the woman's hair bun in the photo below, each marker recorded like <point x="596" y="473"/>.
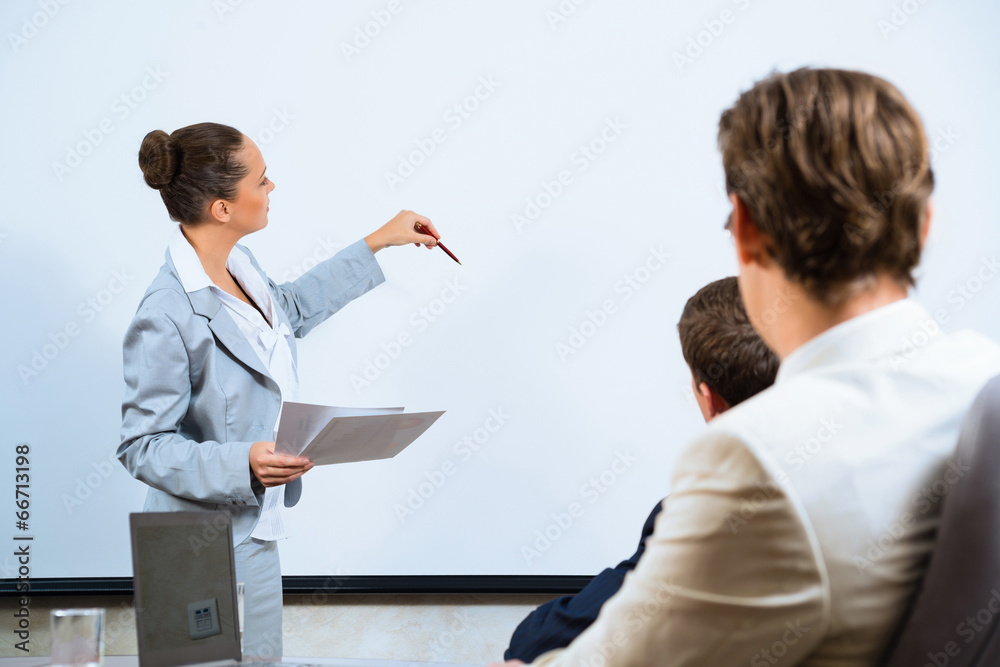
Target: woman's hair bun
<point x="158" y="159"/>
<point x="193" y="166"/>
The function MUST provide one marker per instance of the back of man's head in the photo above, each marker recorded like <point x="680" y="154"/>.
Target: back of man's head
<point x="833" y="168"/>
<point x="720" y="345"/>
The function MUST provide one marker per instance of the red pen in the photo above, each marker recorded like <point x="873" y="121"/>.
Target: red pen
<point x="423" y="230"/>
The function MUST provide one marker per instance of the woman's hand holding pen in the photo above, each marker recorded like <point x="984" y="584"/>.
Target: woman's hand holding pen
<point x="402" y="230"/>
<point x="272" y="469"/>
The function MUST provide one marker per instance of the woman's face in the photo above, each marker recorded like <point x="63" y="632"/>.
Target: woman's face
<point x="248" y="213"/>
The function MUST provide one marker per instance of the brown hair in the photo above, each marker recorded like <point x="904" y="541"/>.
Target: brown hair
<point x="720" y="345"/>
<point x="192" y="167"/>
<point x="833" y="167"/>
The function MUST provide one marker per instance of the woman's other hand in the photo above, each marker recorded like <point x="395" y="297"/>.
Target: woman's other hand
<point x="272" y="469"/>
<point x="402" y="230"/>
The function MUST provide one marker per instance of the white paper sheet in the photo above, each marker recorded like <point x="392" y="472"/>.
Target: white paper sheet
<point x="328" y="434"/>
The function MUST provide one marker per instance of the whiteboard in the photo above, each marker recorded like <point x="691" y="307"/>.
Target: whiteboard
<point x="566" y="150"/>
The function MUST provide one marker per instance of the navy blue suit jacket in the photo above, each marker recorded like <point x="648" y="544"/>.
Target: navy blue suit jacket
<point x="557" y="623"/>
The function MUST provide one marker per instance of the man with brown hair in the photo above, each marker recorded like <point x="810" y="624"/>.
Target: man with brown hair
<point x="800" y="521"/>
<point x="729" y="363"/>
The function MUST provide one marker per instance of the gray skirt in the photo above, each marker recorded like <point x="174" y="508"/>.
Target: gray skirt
<point x="258" y="568"/>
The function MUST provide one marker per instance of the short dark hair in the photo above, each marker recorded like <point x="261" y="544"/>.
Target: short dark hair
<point x="833" y="166"/>
<point x="192" y="167"/>
<point x="721" y="346"/>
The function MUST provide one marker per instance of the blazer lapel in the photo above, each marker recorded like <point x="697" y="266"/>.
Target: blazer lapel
<point x="229" y="335"/>
<point x="221" y="323"/>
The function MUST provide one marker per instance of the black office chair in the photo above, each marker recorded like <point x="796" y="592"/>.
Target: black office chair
<point x="963" y="575"/>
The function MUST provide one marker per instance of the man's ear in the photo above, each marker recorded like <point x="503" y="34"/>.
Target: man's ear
<point x="927" y="223"/>
<point x="716" y="404"/>
<point x="751" y="243"/>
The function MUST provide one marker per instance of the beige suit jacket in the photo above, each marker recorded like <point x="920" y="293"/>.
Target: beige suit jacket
<point x="798" y="523"/>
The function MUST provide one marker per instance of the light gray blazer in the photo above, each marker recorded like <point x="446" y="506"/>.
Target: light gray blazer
<point x="197" y="395"/>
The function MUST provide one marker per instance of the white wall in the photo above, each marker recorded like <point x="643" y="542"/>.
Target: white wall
<point x="618" y="101"/>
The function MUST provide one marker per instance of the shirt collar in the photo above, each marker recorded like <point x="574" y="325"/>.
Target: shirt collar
<point x="893" y="330"/>
<point x="193" y="277"/>
<point x="189" y="269"/>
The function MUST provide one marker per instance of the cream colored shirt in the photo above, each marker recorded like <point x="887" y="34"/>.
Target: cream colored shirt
<point x="798" y="522"/>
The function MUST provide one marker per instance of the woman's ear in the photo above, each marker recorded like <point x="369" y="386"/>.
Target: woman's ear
<point x="219" y="211"/>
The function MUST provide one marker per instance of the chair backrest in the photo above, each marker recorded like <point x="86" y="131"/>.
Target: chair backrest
<point x="955" y="615"/>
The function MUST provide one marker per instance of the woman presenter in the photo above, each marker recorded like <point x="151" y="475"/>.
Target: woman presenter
<point x="210" y="354"/>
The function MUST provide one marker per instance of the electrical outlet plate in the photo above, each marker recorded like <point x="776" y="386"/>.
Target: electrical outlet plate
<point x="203" y="619"/>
